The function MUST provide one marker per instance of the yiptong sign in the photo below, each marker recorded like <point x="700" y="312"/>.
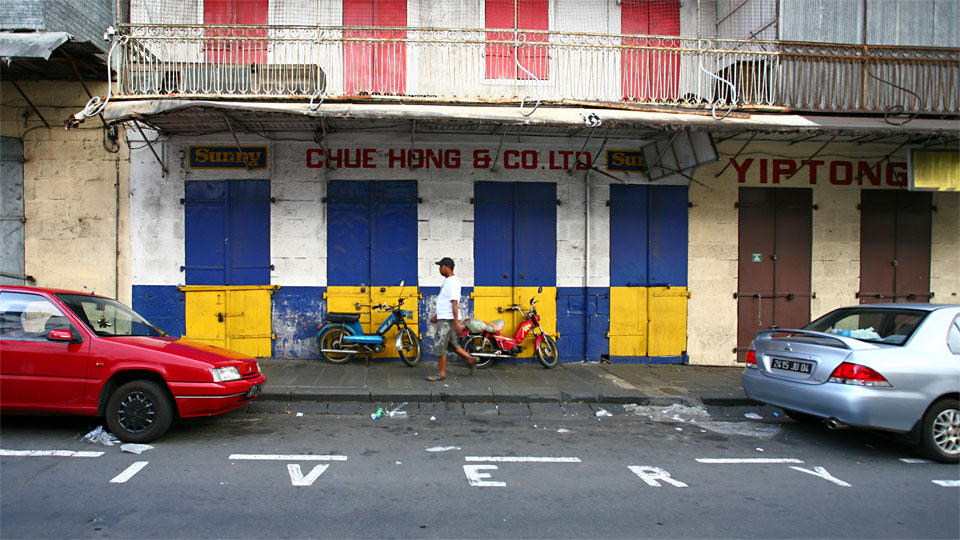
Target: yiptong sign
<point x="228" y="157"/>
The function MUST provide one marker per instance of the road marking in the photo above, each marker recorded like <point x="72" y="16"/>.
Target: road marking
<point x="748" y="460"/>
<point x="914" y="460"/>
<point x="48" y="453"/>
<point x="650" y="475"/>
<point x="947" y="483"/>
<point x="822" y="473"/>
<point x="515" y="459"/>
<point x="298" y="479"/>
<point x="286" y="457"/>
<point x="128" y="474"/>
<point x="479" y="479"/>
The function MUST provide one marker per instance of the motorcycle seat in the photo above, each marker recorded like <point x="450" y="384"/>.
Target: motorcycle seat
<point x="343" y="317"/>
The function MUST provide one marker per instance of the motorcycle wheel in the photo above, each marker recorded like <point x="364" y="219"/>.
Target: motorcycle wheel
<point x="547" y="352"/>
<point x="477" y="343"/>
<point x="409" y="347"/>
<point x="332" y="338"/>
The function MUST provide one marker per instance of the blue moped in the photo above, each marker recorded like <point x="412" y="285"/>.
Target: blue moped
<point x="341" y="335"/>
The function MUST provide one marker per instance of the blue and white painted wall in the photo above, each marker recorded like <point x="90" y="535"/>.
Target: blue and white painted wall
<point x="513" y="220"/>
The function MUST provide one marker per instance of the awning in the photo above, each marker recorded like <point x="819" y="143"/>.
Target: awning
<point x="196" y="117"/>
<point x="48" y="56"/>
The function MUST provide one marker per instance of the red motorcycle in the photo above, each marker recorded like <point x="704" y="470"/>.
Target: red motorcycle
<point x="485" y="342"/>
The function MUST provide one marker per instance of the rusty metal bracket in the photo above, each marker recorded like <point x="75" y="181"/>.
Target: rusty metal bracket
<point x="150" y="145"/>
<point x="804" y="162"/>
<point x="496" y="157"/>
<point x="735" y="156"/>
<point x="236" y="140"/>
<point x="30" y="103"/>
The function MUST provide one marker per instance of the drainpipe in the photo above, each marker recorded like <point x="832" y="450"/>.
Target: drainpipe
<point x="116" y="237"/>
<point x="586" y="267"/>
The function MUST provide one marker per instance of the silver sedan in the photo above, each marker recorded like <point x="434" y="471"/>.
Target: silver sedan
<point x="892" y="367"/>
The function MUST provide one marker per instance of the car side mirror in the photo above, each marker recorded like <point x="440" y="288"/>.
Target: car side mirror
<point x="64" y="335"/>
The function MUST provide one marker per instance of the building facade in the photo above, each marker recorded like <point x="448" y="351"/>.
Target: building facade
<point x="64" y="219"/>
<point x="674" y="175"/>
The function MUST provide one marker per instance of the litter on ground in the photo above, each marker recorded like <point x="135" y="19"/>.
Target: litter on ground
<point x="133" y="448"/>
<point x="101" y="436"/>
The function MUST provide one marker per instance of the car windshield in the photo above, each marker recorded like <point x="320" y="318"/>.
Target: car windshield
<point x="108" y="317"/>
<point x="876" y="325"/>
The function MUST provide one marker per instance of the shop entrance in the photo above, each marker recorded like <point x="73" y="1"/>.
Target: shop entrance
<point x="227" y="249"/>
<point x="371" y="248"/>
<point x="648" y="272"/>
<point x="774" y="261"/>
<point x="894" y="246"/>
<point x="515" y="252"/>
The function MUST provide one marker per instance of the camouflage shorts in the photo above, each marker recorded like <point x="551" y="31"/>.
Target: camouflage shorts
<point x="446" y="337"/>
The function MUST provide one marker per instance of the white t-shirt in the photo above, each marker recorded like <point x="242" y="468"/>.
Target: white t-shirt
<point x="449" y="291"/>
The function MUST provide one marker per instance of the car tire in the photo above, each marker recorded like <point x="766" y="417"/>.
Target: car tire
<point x="940" y="434"/>
<point x="139" y="411"/>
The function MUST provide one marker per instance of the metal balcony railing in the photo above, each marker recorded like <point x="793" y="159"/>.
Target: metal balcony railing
<point x="496" y="66"/>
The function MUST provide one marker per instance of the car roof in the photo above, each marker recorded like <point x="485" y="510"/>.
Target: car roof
<point x="921" y="306"/>
<point x="28" y="289"/>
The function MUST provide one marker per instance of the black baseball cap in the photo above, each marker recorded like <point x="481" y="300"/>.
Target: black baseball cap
<point x="446" y="261"/>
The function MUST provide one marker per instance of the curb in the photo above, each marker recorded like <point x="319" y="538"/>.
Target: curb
<point x="363" y="395"/>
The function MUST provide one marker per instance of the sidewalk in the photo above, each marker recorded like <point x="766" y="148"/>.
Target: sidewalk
<point x="393" y="381"/>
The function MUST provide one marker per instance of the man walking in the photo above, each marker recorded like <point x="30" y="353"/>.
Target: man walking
<point x="447" y="320"/>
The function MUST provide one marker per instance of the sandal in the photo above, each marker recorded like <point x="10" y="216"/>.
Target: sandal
<point x="437" y="377"/>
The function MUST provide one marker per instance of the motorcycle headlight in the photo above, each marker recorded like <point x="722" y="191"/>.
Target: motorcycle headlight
<point x="224" y="374"/>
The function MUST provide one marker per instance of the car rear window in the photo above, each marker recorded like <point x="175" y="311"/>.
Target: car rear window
<point x="876" y="325"/>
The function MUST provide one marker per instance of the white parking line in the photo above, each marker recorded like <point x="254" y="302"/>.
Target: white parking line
<point x="748" y="460"/>
<point x="286" y="457"/>
<point x="947" y="483"/>
<point x="129" y="472"/>
<point x="48" y="453"/>
<point x="515" y="459"/>
<point x="822" y="473"/>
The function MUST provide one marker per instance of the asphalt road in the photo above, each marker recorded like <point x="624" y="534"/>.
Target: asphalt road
<point x="474" y="472"/>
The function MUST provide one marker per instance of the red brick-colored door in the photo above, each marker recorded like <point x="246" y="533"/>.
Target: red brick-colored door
<point x="775" y="251"/>
<point x="650" y="74"/>
<point x="228" y="47"/>
<point x="376" y="63"/>
<point x="894" y="246"/>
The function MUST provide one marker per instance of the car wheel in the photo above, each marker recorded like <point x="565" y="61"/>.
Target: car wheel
<point x="330" y="341"/>
<point x="940" y="438"/>
<point x="139" y="411"/>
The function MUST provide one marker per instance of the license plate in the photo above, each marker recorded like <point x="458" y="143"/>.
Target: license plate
<point x="255" y="390"/>
<point x="791" y="365"/>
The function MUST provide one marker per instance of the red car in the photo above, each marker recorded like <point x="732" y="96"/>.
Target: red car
<point x="79" y="353"/>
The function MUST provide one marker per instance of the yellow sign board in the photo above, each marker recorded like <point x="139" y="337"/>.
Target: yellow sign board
<point x="934" y="170"/>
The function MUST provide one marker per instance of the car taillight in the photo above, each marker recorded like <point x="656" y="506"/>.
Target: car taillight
<point x="855" y="374"/>
<point x="752" y="359"/>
